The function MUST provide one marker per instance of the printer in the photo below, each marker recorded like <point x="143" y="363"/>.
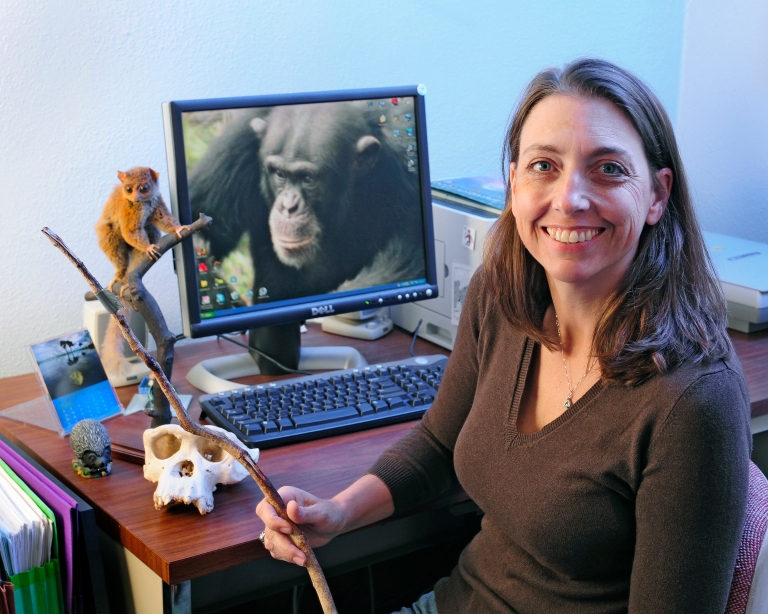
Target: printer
<point x="459" y="232"/>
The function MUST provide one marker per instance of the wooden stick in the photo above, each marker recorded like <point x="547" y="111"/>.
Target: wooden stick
<point x="243" y="457"/>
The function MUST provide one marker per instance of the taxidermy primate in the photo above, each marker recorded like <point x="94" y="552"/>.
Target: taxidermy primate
<point x="131" y="218"/>
<point x="324" y="193"/>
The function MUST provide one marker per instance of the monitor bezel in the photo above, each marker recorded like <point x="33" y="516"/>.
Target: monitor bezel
<point x="298" y="309"/>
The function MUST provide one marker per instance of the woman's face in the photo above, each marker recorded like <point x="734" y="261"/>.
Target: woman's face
<point x="582" y="191"/>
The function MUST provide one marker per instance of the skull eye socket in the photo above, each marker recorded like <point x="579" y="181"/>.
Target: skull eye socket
<point x="166" y="446"/>
<point x="210" y="451"/>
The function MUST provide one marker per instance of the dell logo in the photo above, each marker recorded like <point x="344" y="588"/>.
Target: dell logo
<point x="321" y="311"/>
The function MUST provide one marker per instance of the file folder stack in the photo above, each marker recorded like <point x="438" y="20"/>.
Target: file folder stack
<point x="742" y="266"/>
<point x="28" y="547"/>
<point x="72" y="581"/>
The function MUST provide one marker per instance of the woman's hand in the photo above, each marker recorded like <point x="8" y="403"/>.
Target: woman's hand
<point x="320" y="519"/>
<point x="366" y="501"/>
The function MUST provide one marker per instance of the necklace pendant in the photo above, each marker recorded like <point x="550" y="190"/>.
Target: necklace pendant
<point x="567" y="403"/>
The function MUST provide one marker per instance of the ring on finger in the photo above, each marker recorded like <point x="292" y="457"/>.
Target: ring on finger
<point x="262" y="535"/>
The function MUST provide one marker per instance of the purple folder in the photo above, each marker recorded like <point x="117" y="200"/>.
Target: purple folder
<point x="64" y="508"/>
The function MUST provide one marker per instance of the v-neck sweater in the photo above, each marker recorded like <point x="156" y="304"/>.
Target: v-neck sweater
<point x="632" y="500"/>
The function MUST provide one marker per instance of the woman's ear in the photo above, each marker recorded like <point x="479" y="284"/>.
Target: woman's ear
<point x="511" y="186"/>
<point x="662" y="190"/>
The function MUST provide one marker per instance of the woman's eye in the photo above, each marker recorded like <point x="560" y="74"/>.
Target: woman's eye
<point x="542" y="166"/>
<point x="609" y="168"/>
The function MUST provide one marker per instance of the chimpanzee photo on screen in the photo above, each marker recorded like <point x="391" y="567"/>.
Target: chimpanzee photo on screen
<point x="308" y="199"/>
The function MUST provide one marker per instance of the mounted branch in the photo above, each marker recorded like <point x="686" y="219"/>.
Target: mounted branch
<point x="242" y="456"/>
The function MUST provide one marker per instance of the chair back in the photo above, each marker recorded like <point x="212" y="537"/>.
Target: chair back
<point x="749" y="588"/>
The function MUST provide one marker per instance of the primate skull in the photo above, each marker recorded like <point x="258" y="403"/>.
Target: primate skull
<point x="187" y="468"/>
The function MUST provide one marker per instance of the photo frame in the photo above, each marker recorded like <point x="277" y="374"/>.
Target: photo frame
<point x="72" y="378"/>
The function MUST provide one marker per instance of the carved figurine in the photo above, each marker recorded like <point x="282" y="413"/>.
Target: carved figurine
<point x="131" y="218"/>
<point x="90" y="443"/>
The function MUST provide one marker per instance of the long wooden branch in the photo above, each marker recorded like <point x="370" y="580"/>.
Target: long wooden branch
<point x="237" y="451"/>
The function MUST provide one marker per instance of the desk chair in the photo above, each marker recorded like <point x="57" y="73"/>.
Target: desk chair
<point x="749" y="589"/>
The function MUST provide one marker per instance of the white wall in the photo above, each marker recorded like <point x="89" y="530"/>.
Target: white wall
<point x="722" y="120"/>
<point x="81" y="85"/>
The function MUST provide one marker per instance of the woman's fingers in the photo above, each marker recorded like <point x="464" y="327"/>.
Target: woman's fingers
<point x="281" y="547"/>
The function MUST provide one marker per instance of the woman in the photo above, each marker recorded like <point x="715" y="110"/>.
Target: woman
<point x="593" y="406"/>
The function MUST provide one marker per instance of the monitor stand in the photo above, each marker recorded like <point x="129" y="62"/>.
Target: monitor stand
<point x="282" y="342"/>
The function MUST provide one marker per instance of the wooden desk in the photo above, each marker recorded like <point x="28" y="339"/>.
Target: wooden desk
<point x="181" y="546"/>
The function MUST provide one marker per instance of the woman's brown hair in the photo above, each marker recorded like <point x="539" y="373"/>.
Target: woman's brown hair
<point x="669" y="307"/>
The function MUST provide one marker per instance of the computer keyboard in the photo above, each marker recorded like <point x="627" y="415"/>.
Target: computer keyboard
<point x="331" y="403"/>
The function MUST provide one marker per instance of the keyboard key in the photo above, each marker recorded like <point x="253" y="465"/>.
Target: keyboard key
<point x="380" y="405"/>
<point x="324" y="417"/>
<point x="252" y="427"/>
<point x="365" y="409"/>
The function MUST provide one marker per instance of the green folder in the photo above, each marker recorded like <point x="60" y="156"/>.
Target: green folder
<point x="38" y="591"/>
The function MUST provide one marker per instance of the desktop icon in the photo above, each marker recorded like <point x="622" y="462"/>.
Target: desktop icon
<point x="382" y="103"/>
<point x="408" y="117"/>
<point x="205" y="299"/>
<point x="383" y="119"/>
<point x="410" y="147"/>
<point x="262" y="292"/>
<point x="396" y="118"/>
<point x="218" y="281"/>
<point x="202" y="267"/>
<point x="203" y="283"/>
<point x="395" y="133"/>
<point x="220" y="298"/>
<point x="409" y="131"/>
<point x="201" y="251"/>
<point x="233" y="279"/>
<point x="216" y="264"/>
<point x="234" y="296"/>
<point x="395" y="101"/>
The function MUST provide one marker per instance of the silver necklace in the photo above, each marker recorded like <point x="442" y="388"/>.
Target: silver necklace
<point x="568" y="403"/>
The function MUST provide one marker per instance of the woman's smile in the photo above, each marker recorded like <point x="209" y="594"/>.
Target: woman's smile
<point x="572" y="235"/>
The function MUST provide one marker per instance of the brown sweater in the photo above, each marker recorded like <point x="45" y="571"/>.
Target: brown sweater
<point x="632" y="500"/>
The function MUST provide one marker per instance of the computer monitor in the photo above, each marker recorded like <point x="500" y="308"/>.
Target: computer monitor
<point x="321" y="204"/>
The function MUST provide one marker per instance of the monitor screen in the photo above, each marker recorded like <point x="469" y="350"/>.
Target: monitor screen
<point x="320" y="204"/>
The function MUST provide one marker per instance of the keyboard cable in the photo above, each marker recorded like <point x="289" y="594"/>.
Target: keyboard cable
<point x="413" y="341"/>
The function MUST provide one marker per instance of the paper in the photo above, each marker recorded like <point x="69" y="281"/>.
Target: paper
<point x="26" y="532"/>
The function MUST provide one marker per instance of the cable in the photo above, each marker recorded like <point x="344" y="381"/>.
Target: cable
<point x="413" y="341"/>
<point x="263" y="355"/>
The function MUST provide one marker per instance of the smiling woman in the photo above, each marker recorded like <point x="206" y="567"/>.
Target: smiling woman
<point x="592" y="407"/>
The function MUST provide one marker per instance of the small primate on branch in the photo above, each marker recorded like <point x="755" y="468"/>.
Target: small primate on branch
<point x="129" y="234"/>
<point x="243" y="457"/>
<point x="132" y="218"/>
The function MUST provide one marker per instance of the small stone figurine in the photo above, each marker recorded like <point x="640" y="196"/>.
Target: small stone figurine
<point x="90" y="442"/>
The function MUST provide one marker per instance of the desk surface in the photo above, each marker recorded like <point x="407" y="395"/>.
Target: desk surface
<point x="179" y="544"/>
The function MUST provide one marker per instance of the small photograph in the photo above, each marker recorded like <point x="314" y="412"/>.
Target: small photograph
<point x="71" y="373"/>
